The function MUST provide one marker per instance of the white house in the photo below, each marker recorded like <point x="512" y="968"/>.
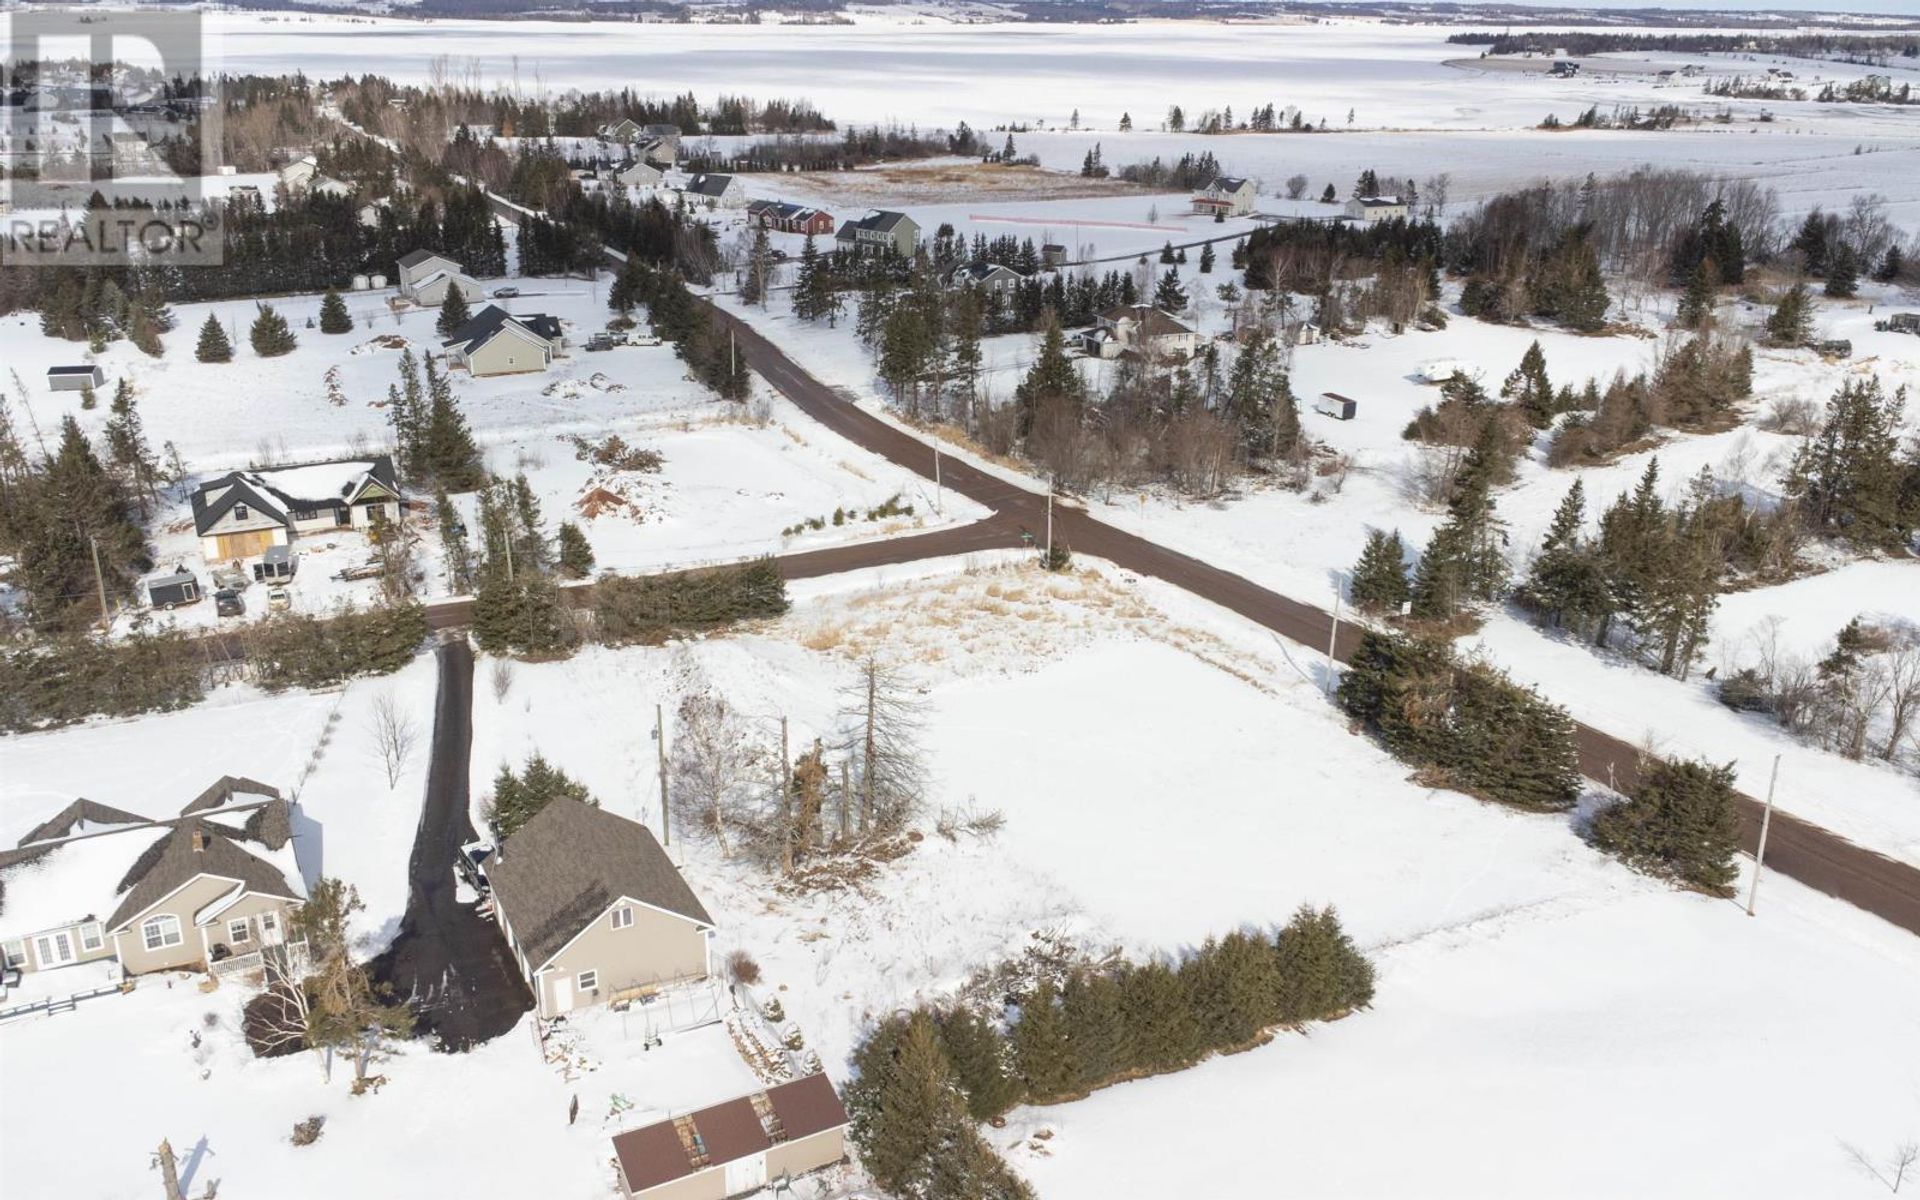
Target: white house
<point x="718" y="191"/>
<point x="640" y="174"/>
<point x="1369" y="209"/>
<point x="1225" y="196"/>
<point x="425" y="278"/>
<point x="244" y="513"/>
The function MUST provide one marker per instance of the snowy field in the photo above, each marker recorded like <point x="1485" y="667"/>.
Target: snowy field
<point x="1528" y="984"/>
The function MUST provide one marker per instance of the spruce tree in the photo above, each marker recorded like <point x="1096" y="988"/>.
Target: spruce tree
<point x="1465" y="559"/>
<point x="1169" y="296"/>
<point x="448" y="452"/>
<point x="1529" y="390"/>
<point x="1206" y="259"/>
<point x="1042" y="1055"/>
<point x="1260" y="402"/>
<point x="905" y="1111"/>
<point x="1843" y="273"/>
<point x="1566" y="584"/>
<point x="1235" y="987"/>
<point x="576" y="555"/>
<point x="1791" y="322"/>
<point x="1321" y="972"/>
<point x="1848" y="478"/>
<point x="334" y="317"/>
<point x="271" y="336"/>
<point x="1696" y="304"/>
<point x="979" y="1057"/>
<point x="1157" y="1006"/>
<point x="127" y="447"/>
<point x="1104" y="1047"/>
<point x="1052" y="383"/>
<point x="213" y="346"/>
<point x="1891" y="266"/>
<point x="1680" y="823"/>
<point x="1379" y="584"/>
<point x="453" y="313"/>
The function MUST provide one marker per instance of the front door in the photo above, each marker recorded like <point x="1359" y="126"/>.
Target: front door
<point x="562" y="994"/>
<point x="53" y="949"/>
<point x="270" y="932"/>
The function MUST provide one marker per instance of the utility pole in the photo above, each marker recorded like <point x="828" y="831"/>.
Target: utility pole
<point x="660" y="739"/>
<point x="939" y="505"/>
<point x="1760" y="851"/>
<point x="1333" y="638"/>
<point x="100" y="581"/>
<point x="1049" y="521"/>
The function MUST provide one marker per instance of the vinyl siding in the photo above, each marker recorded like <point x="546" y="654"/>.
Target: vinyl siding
<point x="80" y="952"/>
<point x="710" y="1184"/>
<point x="506" y="355"/>
<point x="806" y="1154"/>
<point x="248" y="909"/>
<point x="656" y="948"/>
<point x="183" y="904"/>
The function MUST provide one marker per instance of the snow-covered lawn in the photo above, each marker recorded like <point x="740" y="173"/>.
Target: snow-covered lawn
<point x="317" y="748"/>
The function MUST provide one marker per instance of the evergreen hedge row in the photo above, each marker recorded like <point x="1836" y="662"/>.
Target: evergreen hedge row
<point x="648" y="608"/>
<point x="1102" y="1025"/>
<point x="58" y="682"/>
<point x="1467" y="723"/>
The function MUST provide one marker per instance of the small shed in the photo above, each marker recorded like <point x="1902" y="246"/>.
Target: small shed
<point x="75" y="378"/>
<point x="1834" y="348"/>
<point x="276" y="563"/>
<point x="173" y="590"/>
<point x="1904" y="322"/>
<point x="1333" y="404"/>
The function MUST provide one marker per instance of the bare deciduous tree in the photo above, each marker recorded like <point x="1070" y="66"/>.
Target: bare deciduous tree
<point x="717" y="767"/>
<point x="1296" y="186"/>
<point x="394" y="735"/>
<point x="500" y="678"/>
<point x="1900" y="1163"/>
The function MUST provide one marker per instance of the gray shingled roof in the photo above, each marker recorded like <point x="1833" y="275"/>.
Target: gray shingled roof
<point x="483" y="326"/>
<point x="709" y="185"/>
<point x="221" y="793"/>
<point x="569" y="864"/>
<point x="258" y="488"/>
<point x="174" y="860"/>
<point x="91" y="811"/>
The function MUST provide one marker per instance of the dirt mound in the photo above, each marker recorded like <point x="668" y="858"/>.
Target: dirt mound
<point x="596" y="501"/>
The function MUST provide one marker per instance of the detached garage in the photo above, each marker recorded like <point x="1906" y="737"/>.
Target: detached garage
<point x="739" y="1146"/>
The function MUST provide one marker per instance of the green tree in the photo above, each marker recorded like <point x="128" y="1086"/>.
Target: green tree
<point x="1166" y="1034"/>
<point x="1849" y="478"/>
<point x="1843" y="273"/>
<point x="979" y="1057"/>
<point x="1680" y="823"/>
<point x="576" y="555"/>
<point x="1379" y="583"/>
<point x="1260" y="402"/>
<point x="1093" y="1006"/>
<point x="213" y="346"/>
<point x="1465" y="560"/>
<point x="1042" y="1055"/>
<point x="347" y="1010"/>
<point x="1791" y="321"/>
<point x="1696" y="303"/>
<point x="519" y="796"/>
<point x="1529" y="390"/>
<point x="1051" y="383"/>
<point x="447" y="452"/>
<point x="271" y="336"/>
<point x="127" y="447"/>
<point x="1169" y="296"/>
<point x="334" y="317"/>
<point x="453" y="313"/>
<point x="1321" y="972"/>
<point x="1206" y="259"/>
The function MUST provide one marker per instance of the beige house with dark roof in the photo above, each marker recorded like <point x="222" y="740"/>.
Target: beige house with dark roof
<point x="216" y="883"/>
<point x="593" y="909"/>
<point x="736" y="1146"/>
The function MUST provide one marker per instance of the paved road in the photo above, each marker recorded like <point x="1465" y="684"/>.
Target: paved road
<point x="451" y="963"/>
<point x="1806" y="852"/>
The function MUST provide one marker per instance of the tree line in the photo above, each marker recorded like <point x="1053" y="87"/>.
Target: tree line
<point x="926" y="1078"/>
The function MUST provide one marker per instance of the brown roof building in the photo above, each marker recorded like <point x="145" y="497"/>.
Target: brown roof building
<point x="735" y="1146"/>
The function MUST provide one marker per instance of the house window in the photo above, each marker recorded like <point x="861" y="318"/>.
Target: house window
<point x="90" y="939"/>
<point x="376" y="513"/>
<point x="270" y="925"/>
<point x="238" y="932"/>
<point x="161" y="932"/>
<point x="586" y="981"/>
<point x="16" y="954"/>
<point x="622" y="917"/>
<point x="239" y="512"/>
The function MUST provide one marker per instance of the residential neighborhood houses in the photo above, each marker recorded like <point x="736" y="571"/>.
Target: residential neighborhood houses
<point x="1372" y="209"/>
<point x="593" y="909"/>
<point x="496" y="342"/>
<point x="245" y="514"/>
<point x="214" y="883"/>
<point x="1140" y="330"/>
<point x="716" y="191"/>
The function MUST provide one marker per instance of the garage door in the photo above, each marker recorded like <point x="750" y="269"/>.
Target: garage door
<point x="244" y="545"/>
